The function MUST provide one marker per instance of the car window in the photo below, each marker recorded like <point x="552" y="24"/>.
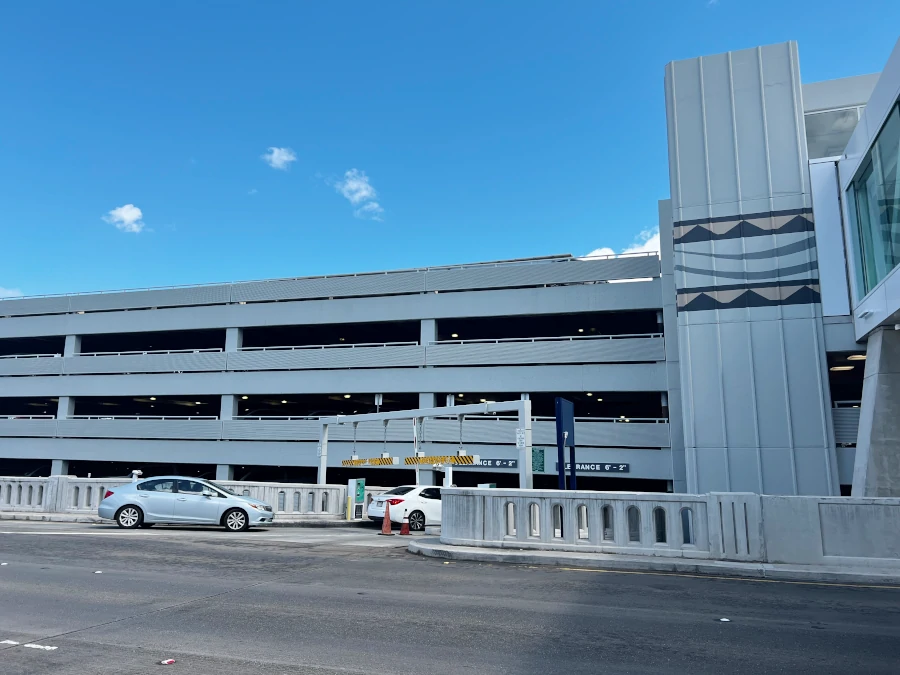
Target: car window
<point x="190" y="486"/>
<point x="431" y="493"/>
<point x="163" y="485"/>
<point x="400" y="490"/>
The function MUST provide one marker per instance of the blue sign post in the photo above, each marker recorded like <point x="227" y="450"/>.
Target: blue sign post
<point x="565" y="436"/>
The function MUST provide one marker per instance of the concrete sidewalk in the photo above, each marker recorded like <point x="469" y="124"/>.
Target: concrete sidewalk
<point x="433" y="548"/>
<point x="286" y="521"/>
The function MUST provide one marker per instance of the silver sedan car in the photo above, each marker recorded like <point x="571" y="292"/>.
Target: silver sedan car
<point x="183" y="501"/>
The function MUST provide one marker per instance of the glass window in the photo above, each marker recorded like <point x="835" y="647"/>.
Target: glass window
<point x="827" y="133"/>
<point x="431" y="493"/>
<point x="190" y="486"/>
<point x="400" y="490"/>
<point x="874" y="205"/>
<point x="163" y="485"/>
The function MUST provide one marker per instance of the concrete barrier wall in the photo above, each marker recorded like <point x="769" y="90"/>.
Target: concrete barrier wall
<point x="719" y="526"/>
<point x="67" y="494"/>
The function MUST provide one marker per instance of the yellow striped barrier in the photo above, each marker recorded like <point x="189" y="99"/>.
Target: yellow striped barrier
<point x="372" y="461"/>
<point x="442" y="459"/>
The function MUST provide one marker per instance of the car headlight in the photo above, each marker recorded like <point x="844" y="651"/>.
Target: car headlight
<point x="258" y="507"/>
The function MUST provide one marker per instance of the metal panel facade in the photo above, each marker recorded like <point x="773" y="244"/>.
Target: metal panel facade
<point x="756" y="406"/>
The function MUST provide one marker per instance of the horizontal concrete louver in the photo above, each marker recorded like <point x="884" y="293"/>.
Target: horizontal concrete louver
<point x="392" y="356"/>
<point x="163" y="297"/>
<point x="547" y="352"/>
<point x="846" y="424"/>
<point x="27" y="428"/>
<point x="145" y="363"/>
<point x="26" y="306"/>
<point x="165" y="429"/>
<point x="41" y="366"/>
<point x="595" y="434"/>
<point x="325" y="287"/>
<point x="563" y="272"/>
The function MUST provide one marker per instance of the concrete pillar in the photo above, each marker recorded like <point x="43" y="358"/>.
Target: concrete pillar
<point x="72" y="346"/>
<point x="65" y="408"/>
<point x="59" y="467"/>
<point x="234" y="339"/>
<point x="526" y="472"/>
<point x="224" y="472"/>
<point x="876" y="472"/>
<point x="427" y="477"/>
<point x="229" y="409"/>
<point x="427" y="401"/>
<point x="428" y="332"/>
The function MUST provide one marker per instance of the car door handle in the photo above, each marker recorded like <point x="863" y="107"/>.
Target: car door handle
<point x="143" y="496"/>
<point x="182" y="499"/>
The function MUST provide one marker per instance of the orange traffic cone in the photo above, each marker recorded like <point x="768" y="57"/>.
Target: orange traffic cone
<point x="386" y="523"/>
<point x="404" y="527"/>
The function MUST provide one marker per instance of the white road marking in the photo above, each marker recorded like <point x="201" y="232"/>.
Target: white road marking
<point x="8" y="642"/>
<point x="44" y="647"/>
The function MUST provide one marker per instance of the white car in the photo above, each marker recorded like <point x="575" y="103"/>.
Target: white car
<point x="420" y="503"/>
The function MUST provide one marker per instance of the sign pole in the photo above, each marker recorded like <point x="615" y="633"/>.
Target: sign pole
<point x="565" y="435"/>
<point x="572" y="485"/>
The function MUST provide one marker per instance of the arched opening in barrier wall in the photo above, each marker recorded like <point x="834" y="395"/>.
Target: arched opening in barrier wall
<point x="324" y="501"/>
<point x="282" y="497"/>
<point x="582" y="521"/>
<point x="296" y="501"/>
<point x="510" y="519"/>
<point x="687" y="526"/>
<point x="558" y="521"/>
<point x="609" y="528"/>
<point x="659" y="525"/>
<point x="75" y="496"/>
<point x="534" y="520"/>
<point x="634" y="524"/>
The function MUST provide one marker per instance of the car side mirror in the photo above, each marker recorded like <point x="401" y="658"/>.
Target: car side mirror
<point x="209" y="493"/>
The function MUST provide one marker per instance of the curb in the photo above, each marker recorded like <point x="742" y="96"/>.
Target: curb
<point x="95" y="520"/>
<point x="432" y="548"/>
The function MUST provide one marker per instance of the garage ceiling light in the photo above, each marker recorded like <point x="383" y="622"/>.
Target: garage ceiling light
<point x="839" y="368"/>
<point x="454" y="335"/>
<point x="589" y="394"/>
<point x="198" y="402"/>
<point x="581" y="330"/>
<point x="856" y="357"/>
<point x="284" y="401"/>
<point x="346" y="395"/>
<point x="245" y="397"/>
<point x="152" y="398"/>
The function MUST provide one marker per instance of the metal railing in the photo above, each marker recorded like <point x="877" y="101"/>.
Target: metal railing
<point x="143" y="418"/>
<point x="27" y="417"/>
<point x="330" y="346"/>
<point x="209" y="350"/>
<point x="32" y="356"/>
<point x="563" y="338"/>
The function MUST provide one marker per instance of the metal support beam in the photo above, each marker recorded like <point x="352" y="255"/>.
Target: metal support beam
<point x="523" y="433"/>
<point x="526" y="471"/>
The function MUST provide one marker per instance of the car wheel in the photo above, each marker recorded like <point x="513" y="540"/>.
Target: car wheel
<point x="235" y="520"/>
<point x="416" y="521"/>
<point x="129" y="517"/>
<point x="146" y="525"/>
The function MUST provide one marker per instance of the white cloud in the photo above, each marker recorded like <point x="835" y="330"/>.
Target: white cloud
<point x="127" y="218"/>
<point x="646" y="242"/>
<point x="356" y="187"/>
<point x="370" y="210"/>
<point x="279" y="158"/>
<point x="10" y="292"/>
<point x="357" y="190"/>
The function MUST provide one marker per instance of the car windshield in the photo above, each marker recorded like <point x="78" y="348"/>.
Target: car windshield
<point x="399" y="490"/>
<point x="221" y="487"/>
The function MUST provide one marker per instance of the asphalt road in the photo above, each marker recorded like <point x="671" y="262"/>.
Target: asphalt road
<point x="321" y="602"/>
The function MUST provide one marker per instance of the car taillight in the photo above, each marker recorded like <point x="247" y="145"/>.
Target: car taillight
<point x="394" y="502"/>
<point x="109" y="493"/>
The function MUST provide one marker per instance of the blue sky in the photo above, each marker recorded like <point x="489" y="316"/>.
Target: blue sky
<point x="146" y="144"/>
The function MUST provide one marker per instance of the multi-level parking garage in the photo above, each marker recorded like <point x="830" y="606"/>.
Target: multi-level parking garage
<point x="230" y="379"/>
